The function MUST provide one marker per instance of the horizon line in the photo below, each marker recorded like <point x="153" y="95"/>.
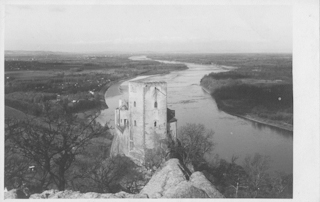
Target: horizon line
<point x="145" y="52"/>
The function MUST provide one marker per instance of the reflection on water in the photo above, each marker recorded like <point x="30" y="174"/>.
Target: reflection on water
<point x="232" y="135"/>
<point x="279" y="131"/>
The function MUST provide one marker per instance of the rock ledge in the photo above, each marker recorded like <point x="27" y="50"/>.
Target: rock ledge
<point x="169" y="181"/>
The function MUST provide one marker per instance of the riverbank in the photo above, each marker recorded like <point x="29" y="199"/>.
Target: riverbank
<point x="256" y="119"/>
<point x="114" y="88"/>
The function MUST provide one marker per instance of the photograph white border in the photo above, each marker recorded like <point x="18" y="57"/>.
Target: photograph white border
<point x="305" y="82"/>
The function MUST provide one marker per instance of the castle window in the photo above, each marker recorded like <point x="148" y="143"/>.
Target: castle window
<point x="155" y="124"/>
<point x="155" y="104"/>
<point x="135" y="123"/>
<point x="134" y="103"/>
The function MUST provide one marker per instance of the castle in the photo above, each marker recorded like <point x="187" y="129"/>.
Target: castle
<point x="144" y="122"/>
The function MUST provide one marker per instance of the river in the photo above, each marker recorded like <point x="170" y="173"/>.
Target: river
<point x="232" y="135"/>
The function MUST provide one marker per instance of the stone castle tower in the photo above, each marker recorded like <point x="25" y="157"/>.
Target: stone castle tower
<point x="143" y="122"/>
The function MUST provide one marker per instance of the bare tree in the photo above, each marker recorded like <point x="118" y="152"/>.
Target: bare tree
<point x="256" y="167"/>
<point x="281" y="185"/>
<point x="16" y="167"/>
<point x="52" y="141"/>
<point x="196" y="141"/>
<point x="108" y="175"/>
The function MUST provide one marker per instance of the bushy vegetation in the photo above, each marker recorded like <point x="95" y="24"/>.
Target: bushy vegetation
<point x="51" y="143"/>
<point x="251" y="179"/>
<point x="195" y="141"/>
<point x="62" y="152"/>
<point x="260" y="88"/>
<point x="272" y="102"/>
<point x="268" y="101"/>
<point x="228" y="75"/>
<point x="57" y="150"/>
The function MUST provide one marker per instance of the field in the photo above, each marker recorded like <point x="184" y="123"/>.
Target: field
<point x="80" y="80"/>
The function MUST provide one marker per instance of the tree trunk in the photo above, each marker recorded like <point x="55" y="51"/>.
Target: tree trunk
<point x="62" y="181"/>
<point x="62" y="185"/>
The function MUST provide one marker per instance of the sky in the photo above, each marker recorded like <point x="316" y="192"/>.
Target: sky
<point x="149" y="28"/>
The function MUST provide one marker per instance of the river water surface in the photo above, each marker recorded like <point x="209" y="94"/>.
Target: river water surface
<point x="232" y="135"/>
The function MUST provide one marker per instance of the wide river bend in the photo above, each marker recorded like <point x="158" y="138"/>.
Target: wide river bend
<point x="232" y="135"/>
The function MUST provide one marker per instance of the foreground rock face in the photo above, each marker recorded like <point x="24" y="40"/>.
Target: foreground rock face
<point x="74" y="194"/>
<point x="10" y="194"/>
<point x="169" y="181"/>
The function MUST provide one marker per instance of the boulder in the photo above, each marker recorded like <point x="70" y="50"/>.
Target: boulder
<point x="201" y="182"/>
<point x="52" y="193"/>
<point x="20" y="193"/>
<point x="185" y="190"/>
<point x="165" y="178"/>
<point x="12" y="194"/>
<point x="171" y="180"/>
<point x="68" y="194"/>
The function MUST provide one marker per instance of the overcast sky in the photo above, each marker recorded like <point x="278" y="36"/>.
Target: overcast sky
<point x="157" y="28"/>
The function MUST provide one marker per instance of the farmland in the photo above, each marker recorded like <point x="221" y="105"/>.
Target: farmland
<point x="79" y="80"/>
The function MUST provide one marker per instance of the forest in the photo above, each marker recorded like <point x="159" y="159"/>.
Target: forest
<point x="259" y="88"/>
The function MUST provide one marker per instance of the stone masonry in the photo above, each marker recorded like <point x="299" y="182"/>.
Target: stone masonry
<point x="144" y="121"/>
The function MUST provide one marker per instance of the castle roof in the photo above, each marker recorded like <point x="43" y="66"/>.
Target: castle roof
<point x="172" y="120"/>
<point x="145" y="81"/>
<point x="124" y="105"/>
<point x="171" y="115"/>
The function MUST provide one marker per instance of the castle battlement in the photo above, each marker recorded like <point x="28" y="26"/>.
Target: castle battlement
<point x="144" y="121"/>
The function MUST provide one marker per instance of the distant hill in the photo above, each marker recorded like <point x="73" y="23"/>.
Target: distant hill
<point x="20" y="52"/>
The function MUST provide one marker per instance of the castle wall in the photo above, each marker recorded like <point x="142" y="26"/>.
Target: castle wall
<point x="124" y="118"/>
<point x="155" y="116"/>
<point x="136" y="117"/>
<point x="120" y="142"/>
<point x="121" y="138"/>
<point x="172" y="130"/>
<point x="142" y="122"/>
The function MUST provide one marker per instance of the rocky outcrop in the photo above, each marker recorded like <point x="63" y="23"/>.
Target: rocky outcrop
<point x="10" y="194"/>
<point x="169" y="181"/>
<point x="52" y="194"/>
<point x="68" y="194"/>
<point x="201" y="182"/>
